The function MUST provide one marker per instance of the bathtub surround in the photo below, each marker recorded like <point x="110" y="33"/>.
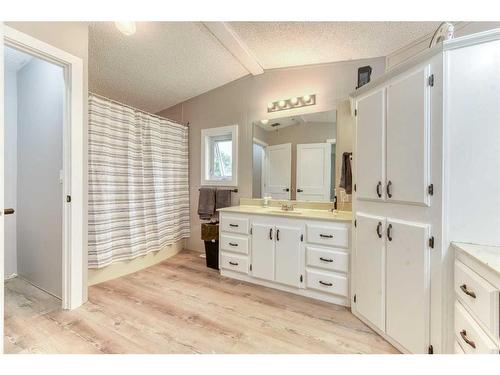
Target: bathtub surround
<point x="138" y="183"/>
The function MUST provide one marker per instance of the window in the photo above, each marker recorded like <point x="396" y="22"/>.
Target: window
<point x="219" y="156"/>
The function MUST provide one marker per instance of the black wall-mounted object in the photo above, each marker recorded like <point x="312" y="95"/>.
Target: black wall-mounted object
<point x="364" y="74"/>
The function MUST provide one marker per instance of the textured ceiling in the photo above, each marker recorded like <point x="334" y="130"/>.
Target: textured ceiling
<point x="279" y="44"/>
<point x="165" y="63"/>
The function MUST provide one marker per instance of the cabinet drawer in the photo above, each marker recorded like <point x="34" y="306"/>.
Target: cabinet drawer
<point x="234" y="262"/>
<point x="327" y="282"/>
<point x="478" y="295"/>
<point x="328" y="259"/>
<point x="457" y="348"/>
<point x="328" y="235"/>
<point x="470" y="335"/>
<point x="234" y="243"/>
<point x="234" y="225"/>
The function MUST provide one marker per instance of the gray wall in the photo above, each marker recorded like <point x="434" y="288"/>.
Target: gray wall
<point x="245" y="100"/>
<point x="40" y="95"/>
<point x="10" y="171"/>
<point x="72" y="37"/>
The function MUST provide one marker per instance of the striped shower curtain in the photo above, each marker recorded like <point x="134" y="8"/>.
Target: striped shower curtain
<point x="138" y="182"/>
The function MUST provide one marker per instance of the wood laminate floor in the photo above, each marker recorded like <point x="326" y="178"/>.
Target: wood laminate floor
<point x="180" y="306"/>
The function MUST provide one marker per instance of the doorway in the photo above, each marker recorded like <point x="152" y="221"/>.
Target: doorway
<point x="33" y="161"/>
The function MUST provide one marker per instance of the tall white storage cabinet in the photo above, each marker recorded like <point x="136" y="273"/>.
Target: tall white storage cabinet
<point x="426" y="172"/>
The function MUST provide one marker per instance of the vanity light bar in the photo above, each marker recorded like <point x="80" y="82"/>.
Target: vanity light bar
<point x="296" y="102"/>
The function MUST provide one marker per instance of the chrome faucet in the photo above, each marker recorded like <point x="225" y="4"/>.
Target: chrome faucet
<point x="286" y="207"/>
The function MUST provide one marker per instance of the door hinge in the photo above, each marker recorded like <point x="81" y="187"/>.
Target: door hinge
<point x="301" y="238"/>
<point x="354" y="187"/>
<point x="430" y="189"/>
<point x="355" y="223"/>
<point x="431" y="80"/>
<point x="430" y="350"/>
<point x="431" y="242"/>
<point x="355" y="112"/>
<point x="354" y="298"/>
<point x="68" y="198"/>
<point x="301" y="278"/>
<point x="250" y="267"/>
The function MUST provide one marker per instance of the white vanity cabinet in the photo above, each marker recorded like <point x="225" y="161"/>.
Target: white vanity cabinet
<point x="298" y="255"/>
<point x="412" y="188"/>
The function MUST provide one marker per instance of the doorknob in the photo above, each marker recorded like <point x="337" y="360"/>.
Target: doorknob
<point x="8" y="211"/>
<point x="299" y="190"/>
<point x="286" y="189"/>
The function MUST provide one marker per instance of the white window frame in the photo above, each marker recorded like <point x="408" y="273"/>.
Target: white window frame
<point x="206" y="135"/>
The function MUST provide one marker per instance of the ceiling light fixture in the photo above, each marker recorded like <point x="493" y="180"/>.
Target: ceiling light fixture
<point x="126" y="27"/>
<point x="292" y="103"/>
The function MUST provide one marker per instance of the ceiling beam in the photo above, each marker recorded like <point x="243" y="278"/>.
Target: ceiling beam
<point x="233" y="43"/>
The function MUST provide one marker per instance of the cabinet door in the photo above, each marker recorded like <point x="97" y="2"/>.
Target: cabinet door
<point x="279" y="171"/>
<point x="263" y="251"/>
<point x="369" y="153"/>
<point x="288" y="255"/>
<point x="314" y="172"/>
<point x="369" y="268"/>
<point x="408" y="144"/>
<point x="407" y="284"/>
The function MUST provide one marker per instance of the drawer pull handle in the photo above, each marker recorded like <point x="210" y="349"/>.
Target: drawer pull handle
<point x="233" y="263"/>
<point x="379" y="187"/>
<point x="234" y="225"/>
<point x="389" y="232"/>
<point x="233" y="244"/>
<point x="326" y="260"/>
<point x="466" y="291"/>
<point x="325" y="284"/>
<point x="326" y="235"/>
<point x="463" y="333"/>
<point x="271" y="234"/>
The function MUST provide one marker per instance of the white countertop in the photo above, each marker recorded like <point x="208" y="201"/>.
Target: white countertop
<point x="489" y="256"/>
<point x="297" y="213"/>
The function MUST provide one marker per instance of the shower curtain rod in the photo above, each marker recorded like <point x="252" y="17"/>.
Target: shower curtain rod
<point x="137" y="109"/>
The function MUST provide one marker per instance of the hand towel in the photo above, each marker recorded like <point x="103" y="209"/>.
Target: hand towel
<point x="222" y="198"/>
<point x="206" y="203"/>
<point x="346" y="173"/>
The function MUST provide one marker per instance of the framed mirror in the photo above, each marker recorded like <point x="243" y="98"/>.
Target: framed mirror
<point x="294" y="157"/>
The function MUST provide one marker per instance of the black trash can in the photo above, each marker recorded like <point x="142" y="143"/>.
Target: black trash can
<point x="210" y="234"/>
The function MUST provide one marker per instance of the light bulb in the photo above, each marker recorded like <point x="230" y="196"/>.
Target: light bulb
<point x="294" y="101"/>
<point x="264" y="121"/>
<point x="126" y="27"/>
<point x="282" y="103"/>
<point x="306" y="98"/>
<point x="270" y="105"/>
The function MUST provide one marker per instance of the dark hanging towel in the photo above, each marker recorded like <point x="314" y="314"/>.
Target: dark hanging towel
<point x="346" y="173"/>
<point x="206" y="203"/>
<point x="222" y="198"/>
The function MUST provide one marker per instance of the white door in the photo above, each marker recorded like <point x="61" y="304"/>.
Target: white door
<point x="369" y="268"/>
<point x="279" y="171"/>
<point x="314" y="171"/>
<point x="288" y="255"/>
<point x="263" y="251"/>
<point x="408" y="138"/>
<point x="407" y="284"/>
<point x="369" y="150"/>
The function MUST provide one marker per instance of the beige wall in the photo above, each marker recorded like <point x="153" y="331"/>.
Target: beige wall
<point x="245" y="100"/>
<point x="73" y="38"/>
